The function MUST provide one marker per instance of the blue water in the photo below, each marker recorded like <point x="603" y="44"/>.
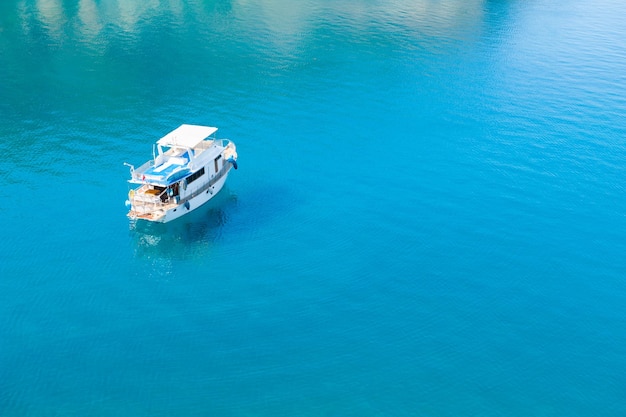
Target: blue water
<point x="428" y="219"/>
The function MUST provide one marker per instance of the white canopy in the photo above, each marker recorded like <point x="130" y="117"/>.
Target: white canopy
<point x="186" y="136"/>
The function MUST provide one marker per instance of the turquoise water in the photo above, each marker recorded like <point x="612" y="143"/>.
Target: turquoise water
<point x="428" y="217"/>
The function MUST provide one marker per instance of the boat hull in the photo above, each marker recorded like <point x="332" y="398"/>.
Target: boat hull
<point x="186" y="206"/>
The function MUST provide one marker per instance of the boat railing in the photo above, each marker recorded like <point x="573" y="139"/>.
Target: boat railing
<point x="208" y="144"/>
<point x="225" y="143"/>
<point x="205" y="144"/>
<point x="144" y="202"/>
<point x="137" y="173"/>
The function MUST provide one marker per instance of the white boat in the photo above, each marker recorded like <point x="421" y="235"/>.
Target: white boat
<point x="189" y="167"/>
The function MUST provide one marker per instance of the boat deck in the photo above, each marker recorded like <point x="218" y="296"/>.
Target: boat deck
<point x="164" y="170"/>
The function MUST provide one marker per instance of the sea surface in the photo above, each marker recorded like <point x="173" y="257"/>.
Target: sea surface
<point x="428" y="219"/>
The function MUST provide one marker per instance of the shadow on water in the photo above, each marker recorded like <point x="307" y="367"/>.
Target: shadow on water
<point x="187" y="236"/>
<point x="261" y="207"/>
<point x="227" y="216"/>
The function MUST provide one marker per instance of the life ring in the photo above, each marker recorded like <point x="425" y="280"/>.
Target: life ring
<point x="131" y="195"/>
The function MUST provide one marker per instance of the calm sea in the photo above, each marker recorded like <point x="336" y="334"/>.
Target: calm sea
<point x="429" y="216"/>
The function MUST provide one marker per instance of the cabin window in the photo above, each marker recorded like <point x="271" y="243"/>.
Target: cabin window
<point x="195" y="176"/>
<point x="217" y="159"/>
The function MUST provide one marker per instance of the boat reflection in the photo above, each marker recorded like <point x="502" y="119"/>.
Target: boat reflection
<point x="187" y="237"/>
